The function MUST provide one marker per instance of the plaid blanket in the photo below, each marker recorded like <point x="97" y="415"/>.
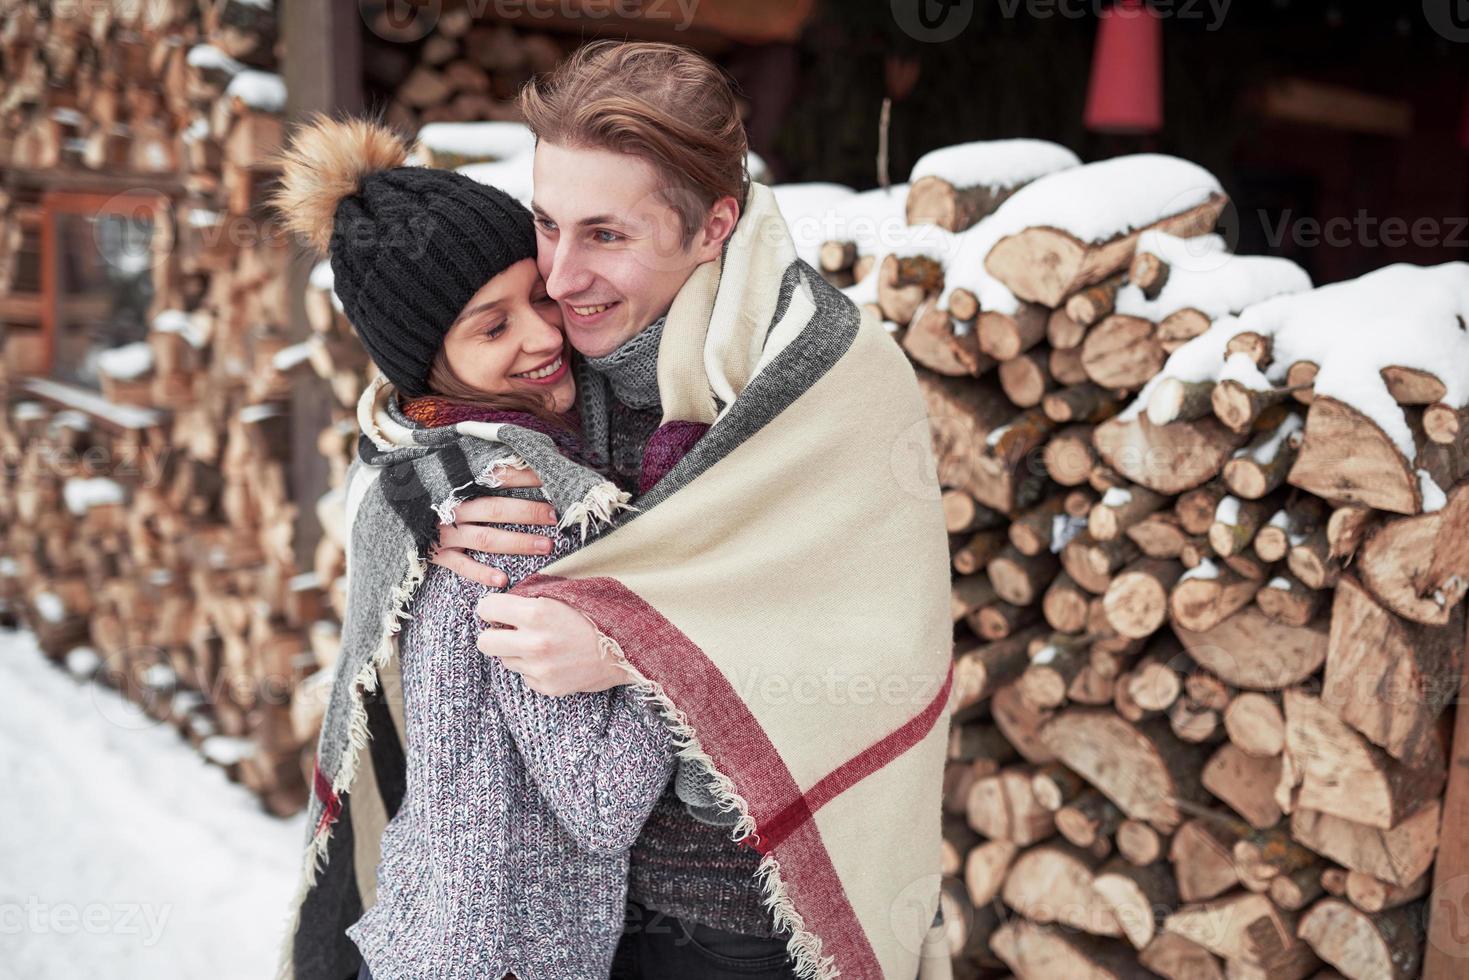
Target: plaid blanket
<point x="782" y="594"/>
<point x="406" y="479"/>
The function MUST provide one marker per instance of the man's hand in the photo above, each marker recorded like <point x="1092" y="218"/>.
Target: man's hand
<point x="549" y="643"/>
<point x="472" y="531"/>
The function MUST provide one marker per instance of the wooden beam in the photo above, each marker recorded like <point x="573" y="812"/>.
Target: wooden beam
<point x="1336" y="107"/>
<point x="1446" y="954"/>
<point x="323" y="73"/>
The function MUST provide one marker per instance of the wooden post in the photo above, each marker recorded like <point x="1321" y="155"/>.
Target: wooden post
<point x="323" y="73"/>
<point x="1446" y="953"/>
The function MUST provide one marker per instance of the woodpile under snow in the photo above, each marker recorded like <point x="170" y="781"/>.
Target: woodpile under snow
<point x="1207" y="539"/>
<point x="1208" y="521"/>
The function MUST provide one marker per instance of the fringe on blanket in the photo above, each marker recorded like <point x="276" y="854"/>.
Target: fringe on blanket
<point x="363" y="684"/>
<point x="804" y="946"/>
<point x="592" y="512"/>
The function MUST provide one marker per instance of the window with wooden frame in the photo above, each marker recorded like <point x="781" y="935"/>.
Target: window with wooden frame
<point x="101" y="258"/>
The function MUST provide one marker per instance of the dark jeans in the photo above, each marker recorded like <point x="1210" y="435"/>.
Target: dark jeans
<point x="655" y="946"/>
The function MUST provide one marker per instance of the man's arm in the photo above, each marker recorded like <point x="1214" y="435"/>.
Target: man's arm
<point x="555" y="648"/>
<point x="474" y="530"/>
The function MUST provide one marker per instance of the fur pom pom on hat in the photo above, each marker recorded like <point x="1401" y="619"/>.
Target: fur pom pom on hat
<point x="409" y="246"/>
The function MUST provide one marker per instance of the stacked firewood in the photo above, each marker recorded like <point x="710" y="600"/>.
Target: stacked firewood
<point x="462" y="70"/>
<point x="1207" y="532"/>
<point x="149" y="528"/>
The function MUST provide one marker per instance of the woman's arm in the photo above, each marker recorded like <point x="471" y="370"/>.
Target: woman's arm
<point x="601" y="760"/>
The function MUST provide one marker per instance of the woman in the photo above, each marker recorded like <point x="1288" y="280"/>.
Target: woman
<point x="508" y="853"/>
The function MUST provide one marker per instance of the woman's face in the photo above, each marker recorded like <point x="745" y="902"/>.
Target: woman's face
<point x="508" y="339"/>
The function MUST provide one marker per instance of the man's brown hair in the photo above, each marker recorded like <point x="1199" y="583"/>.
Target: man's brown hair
<point x="663" y="103"/>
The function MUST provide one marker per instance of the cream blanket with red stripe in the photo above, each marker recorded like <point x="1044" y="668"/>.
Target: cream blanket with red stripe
<point x="783" y="595"/>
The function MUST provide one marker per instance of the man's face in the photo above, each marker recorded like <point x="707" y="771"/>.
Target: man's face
<point x="610" y="248"/>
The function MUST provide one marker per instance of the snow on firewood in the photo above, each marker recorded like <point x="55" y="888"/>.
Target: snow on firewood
<point x="1205" y="569"/>
<point x="49" y="607"/>
<point x="1433" y="496"/>
<point x="186" y="326"/>
<point x="809" y="211"/>
<point x="288" y="358"/>
<point x="1204" y="276"/>
<point x="1266" y="451"/>
<point x="965" y="268"/>
<point x="1099" y="201"/>
<point x="481" y="140"/>
<point x="1402" y="315"/>
<point x="1095" y="203"/>
<point x="260" y="90"/>
<point x="904" y="241"/>
<point x="126" y="363"/>
<point x="994" y="163"/>
<point x="210" y="58"/>
<point x="869" y="219"/>
<point x="1201" y="359"/>
<point x="757" y="168"/>
<point x="1238" y="367"/>
<point x="1399" y="316"/>
<point x="1064" y="527"/>
<point x="226" y="750"/>
<point x="82" y="662"/>
<point x="71" y="419"/>
<point x="324" y="279"/>
<point x="874" y="221"/>
<point x="81" y="494"/>
<point x="513" y="176"/>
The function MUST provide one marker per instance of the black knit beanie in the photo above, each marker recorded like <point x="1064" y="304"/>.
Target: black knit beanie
<point x="409" y="246"/>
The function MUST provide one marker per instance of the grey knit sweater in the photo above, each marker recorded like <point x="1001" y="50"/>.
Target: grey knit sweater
<point x="683" y="865"/>
<point x="510" y="850"/>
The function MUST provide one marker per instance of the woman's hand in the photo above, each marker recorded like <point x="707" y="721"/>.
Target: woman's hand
<point x="550" y="644"/>
<point x="473" y="530"/>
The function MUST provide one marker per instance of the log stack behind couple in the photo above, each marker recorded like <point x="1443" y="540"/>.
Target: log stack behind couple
<point x="645" y="662"/>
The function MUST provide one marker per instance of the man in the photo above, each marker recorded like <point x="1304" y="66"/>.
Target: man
<point x="639" y="186"/>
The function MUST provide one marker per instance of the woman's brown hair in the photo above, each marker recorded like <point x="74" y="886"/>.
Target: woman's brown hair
<point x="663" y="103"/>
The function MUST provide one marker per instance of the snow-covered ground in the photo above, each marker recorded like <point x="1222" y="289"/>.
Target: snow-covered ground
<point x="122" y="853"/>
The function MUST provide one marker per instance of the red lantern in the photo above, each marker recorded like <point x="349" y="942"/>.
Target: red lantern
<point x="1126" y="90"/>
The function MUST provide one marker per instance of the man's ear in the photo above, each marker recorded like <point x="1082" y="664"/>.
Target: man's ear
<point x="719" y="224"/>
